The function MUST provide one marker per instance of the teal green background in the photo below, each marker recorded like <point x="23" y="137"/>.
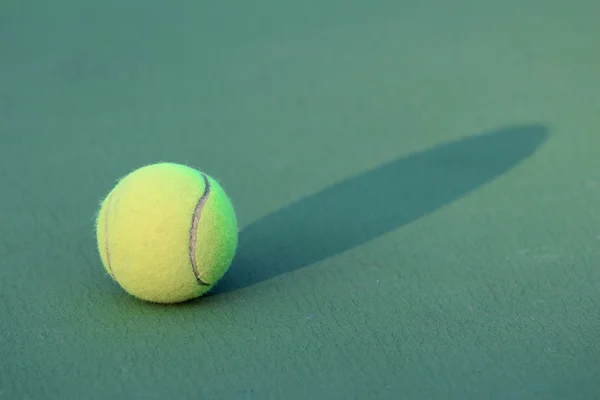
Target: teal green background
<point x="388" y="251"/>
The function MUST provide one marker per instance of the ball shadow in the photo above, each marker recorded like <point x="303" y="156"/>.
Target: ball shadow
<point x="375" y="202"/>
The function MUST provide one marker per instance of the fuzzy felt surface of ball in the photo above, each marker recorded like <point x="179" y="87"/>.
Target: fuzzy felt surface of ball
<point x="167" y="233"/>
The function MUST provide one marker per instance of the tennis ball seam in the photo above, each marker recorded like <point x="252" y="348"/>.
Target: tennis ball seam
<point x="194" y="230"/>
<point x="106" y="235"/>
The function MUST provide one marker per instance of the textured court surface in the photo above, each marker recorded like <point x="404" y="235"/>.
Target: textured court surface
<point x="417" y="183"/>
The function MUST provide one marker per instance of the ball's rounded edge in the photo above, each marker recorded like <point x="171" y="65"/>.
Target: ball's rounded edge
<point x="101" y="227"/>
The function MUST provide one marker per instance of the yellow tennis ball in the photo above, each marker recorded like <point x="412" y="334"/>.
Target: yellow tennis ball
<point x="167" y="233"/>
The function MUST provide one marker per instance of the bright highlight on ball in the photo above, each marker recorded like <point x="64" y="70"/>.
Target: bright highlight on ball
<point x="167" y="233"/>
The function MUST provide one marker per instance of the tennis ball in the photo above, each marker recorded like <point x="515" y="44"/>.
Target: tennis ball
<point x="166" y="233"/>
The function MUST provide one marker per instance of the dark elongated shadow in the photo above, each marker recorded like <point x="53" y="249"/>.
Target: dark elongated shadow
<point x="374" y="202"/>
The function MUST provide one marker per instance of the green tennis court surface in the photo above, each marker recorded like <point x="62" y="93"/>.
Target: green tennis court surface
<point x="417" y="186"/>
